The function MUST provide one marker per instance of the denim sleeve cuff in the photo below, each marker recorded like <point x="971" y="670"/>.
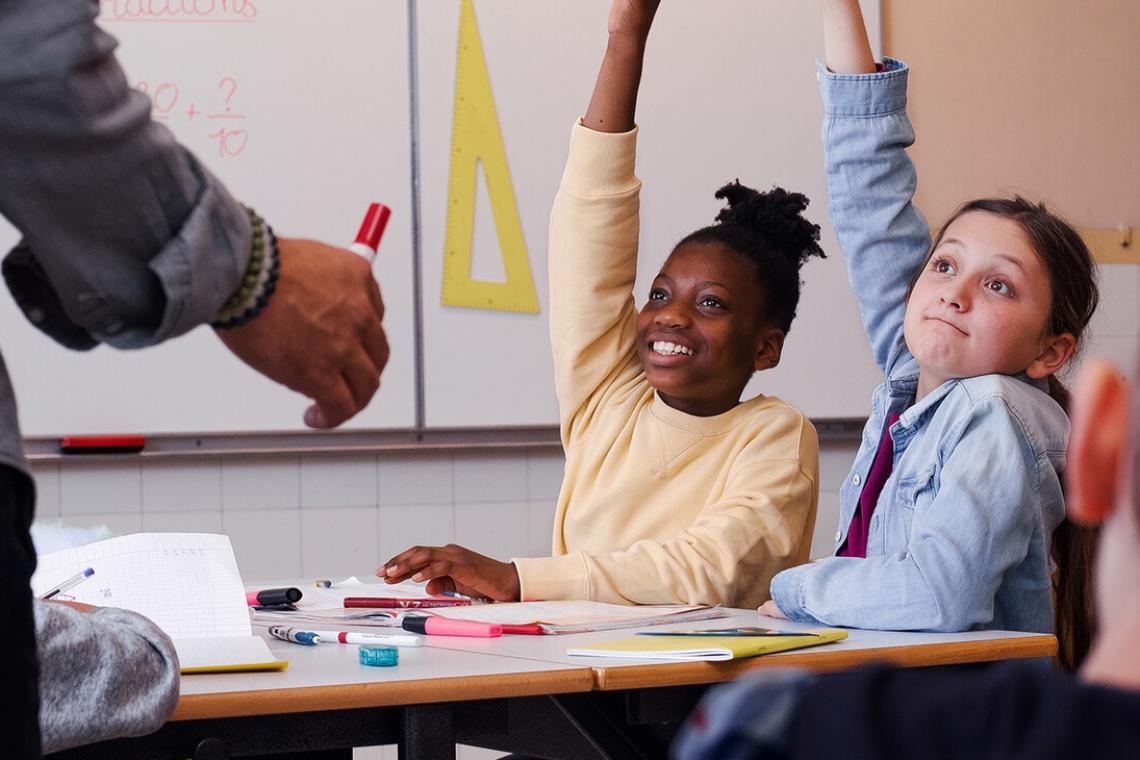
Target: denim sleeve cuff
<point x="787" y="592"/>
<point x="864" y="94"/>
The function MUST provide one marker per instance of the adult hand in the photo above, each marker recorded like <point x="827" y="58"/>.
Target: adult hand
<point x="453" y="568"/>
<point x="320" y="332"/>
<point x="770" y="609"/>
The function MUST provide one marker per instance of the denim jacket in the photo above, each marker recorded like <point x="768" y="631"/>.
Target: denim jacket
<point x="960" y="535"/>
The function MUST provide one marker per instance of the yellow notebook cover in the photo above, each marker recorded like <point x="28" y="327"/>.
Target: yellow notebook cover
<point x="696" y="647"/>
<point x="230" y="653"/>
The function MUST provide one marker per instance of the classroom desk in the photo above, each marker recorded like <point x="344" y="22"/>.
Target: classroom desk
<point x="518" y="694"/>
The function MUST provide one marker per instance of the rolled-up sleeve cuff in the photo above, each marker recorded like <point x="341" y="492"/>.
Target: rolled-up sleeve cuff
<point x="787" y="592"/>
<point x="864" y="94"/>
<point x="203" y="264"/>
<point x="600" y="163"/>
<point x="553" y="578"/>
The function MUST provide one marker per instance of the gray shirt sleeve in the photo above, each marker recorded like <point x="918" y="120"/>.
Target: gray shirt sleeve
<point x="128" y="236"/>
<point x="103" y="674"/>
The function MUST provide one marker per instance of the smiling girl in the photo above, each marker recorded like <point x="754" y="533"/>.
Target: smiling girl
<point x="947" y="515"/>
<point x="675" y="490"/>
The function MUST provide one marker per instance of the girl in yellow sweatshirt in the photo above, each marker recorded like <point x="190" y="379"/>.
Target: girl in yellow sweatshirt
<point x="675" y="490"/>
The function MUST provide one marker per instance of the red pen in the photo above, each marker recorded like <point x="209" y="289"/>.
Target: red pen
<point x="395" y="603"/>
<point x="371" y="229"/>
<point x="527" y="629"/>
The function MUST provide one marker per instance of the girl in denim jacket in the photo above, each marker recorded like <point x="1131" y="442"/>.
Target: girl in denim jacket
<point x="947" y="514"/>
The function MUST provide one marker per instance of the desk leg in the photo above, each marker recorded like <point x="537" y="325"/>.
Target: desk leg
<point x="612" y="739"/>
<point x="429" y="733"/>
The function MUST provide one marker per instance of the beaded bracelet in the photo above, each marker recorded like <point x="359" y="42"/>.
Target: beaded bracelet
<point x="259" y="281"/>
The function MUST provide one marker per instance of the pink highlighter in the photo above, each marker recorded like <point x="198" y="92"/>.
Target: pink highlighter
<point x="441" y="626"/>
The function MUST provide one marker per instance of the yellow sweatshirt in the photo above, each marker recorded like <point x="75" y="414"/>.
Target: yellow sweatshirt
<point x="657" y="506"/>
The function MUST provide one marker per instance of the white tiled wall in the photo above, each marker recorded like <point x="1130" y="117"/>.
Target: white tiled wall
<point x="318" y="515"/>
<point x="334" y="516"/>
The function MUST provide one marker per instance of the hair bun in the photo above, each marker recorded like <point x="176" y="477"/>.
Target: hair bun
<point x="775" y="215"/>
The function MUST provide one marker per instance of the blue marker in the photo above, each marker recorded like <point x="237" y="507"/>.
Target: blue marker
<point x="70" y="583"/>
<point x="292" y="634"/>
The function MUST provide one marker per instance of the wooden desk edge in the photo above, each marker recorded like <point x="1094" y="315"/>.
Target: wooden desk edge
<point x="381" y="694"/>
<point x="825" y="659"/>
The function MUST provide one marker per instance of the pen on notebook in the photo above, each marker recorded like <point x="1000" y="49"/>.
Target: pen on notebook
<point x="350" y="637"/>
<point x="526" y="629"/>
<point x="294" y="635"/>
<point x="387" y="602"/>
<point x="371" y="229"/>
<point x="70" y="583"/>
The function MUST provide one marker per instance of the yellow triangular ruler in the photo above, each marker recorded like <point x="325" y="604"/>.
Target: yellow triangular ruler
<point x="476" y="141"/>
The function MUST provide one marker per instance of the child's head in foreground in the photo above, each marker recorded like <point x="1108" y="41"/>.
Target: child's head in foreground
<point x="721" y="305"/>
<point x="1008" y="287"/>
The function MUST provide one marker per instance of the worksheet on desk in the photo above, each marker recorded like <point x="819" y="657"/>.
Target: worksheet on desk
<point x="187" y="583"/>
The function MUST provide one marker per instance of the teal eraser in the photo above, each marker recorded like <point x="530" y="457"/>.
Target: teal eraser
<point x="379" y="656"/>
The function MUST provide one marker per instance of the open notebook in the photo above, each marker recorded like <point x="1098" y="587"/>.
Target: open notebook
<point x="187" y="583"/>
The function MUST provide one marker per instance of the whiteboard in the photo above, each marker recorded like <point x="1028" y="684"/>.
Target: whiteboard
<point x="729" y="92"/>
<point x="321" y="89"/>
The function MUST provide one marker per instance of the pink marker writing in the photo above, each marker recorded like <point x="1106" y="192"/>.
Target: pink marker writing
<point x="371" y="229"/>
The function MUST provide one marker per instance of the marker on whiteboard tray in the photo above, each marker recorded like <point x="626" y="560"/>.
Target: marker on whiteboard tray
<point x="371" y="229"/>
<point x="101" y="444"/>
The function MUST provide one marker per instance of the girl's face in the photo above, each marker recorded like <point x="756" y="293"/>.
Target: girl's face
<point x="981" y="306"/>
<point x="701" y="334"/>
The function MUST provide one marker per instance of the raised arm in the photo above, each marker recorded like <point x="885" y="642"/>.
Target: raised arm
<point x="870" y="178"/>
<point x="845" y="45"/>
<point x="614" y="100"/>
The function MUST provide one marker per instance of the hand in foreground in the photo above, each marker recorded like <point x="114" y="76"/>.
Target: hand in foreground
<point x="769" y="609"/>
<point x="320" y="333"/>
<point x="453" y="568"/>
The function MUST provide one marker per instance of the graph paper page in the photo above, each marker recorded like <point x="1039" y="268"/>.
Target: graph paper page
<point x="187" y="583"/>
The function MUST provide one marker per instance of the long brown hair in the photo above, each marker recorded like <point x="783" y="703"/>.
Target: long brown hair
<point x="1073" y="299"/>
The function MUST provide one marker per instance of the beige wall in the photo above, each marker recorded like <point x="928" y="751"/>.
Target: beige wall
<point x="1040" y="96"/>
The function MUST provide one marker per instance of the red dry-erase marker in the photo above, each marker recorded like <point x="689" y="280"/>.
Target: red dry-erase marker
<point x="371" y="229"/>
<point x="101" y="444"/>
<point x="441" y="626"/>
